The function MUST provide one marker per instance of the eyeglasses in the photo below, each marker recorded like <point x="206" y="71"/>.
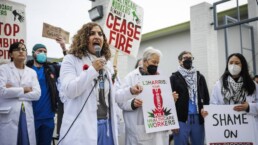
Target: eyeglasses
<point x="20" y="49"/>
<point x="191" y="58"/>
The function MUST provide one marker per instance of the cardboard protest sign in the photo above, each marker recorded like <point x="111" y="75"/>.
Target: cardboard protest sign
<point x="224" y="126"/>
<point x="53" y="32"/>
<point x="123" y="26"/>
<point x="12" y="27"/>
<point x="158" y="104"/>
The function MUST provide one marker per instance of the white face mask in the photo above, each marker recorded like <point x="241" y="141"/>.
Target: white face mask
<point x="234" y="69"/>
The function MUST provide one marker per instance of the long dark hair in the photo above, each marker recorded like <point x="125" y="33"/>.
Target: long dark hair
<point x="248" y="83"/>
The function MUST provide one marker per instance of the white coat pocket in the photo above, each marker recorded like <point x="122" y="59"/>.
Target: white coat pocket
<point x="5" y="115"/>
<point x="5" y="110"/>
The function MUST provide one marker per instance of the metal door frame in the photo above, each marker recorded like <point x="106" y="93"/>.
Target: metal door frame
<point x="236" y="22"/>
<point x="252" y="49"/>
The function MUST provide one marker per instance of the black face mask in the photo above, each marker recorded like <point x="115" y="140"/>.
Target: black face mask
<point x="152" y="69"/>
<point x="187" y="63"/>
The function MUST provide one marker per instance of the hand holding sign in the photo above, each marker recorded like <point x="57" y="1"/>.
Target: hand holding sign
<point x="61" y="41"/>
<point x="242" y="107"/>
<point x="135" y="90"/>
<point x="175" y="96"/>
<point x="137" y="102"/>
<point x="204" y="113"/>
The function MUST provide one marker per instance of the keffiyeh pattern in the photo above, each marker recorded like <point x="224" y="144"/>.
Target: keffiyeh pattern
<point x="190" y="77"/>
<point x="234" y="94"/>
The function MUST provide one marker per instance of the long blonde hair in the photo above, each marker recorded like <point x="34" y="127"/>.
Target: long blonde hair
<point x="79" y="47"/>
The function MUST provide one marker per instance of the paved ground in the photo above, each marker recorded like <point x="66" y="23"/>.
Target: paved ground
<point x="121" y="136"/>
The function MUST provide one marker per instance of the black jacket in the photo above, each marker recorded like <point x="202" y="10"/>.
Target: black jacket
<point x="179" y="85"/>
<point x="51" y="71"/>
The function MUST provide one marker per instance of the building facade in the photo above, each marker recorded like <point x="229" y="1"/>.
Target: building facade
<point x="198" y="35"/>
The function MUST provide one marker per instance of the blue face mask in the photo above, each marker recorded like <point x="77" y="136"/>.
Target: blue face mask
<point x="41" y="58"/>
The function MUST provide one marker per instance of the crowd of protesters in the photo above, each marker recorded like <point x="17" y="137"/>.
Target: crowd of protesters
<point x="85" y="91"/>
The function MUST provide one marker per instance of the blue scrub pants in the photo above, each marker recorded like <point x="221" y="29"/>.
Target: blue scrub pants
<point x="44" y="131"/>
<point x="191" y="129"/>
<point x="105" y="136"/>
<point x="23" y="136"/>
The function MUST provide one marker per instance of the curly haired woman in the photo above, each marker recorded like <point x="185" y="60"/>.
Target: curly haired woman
<point x="88" y="93"/>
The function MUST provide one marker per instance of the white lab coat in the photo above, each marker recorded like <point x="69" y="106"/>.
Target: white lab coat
<point x="11" y="100"/>
<point x="217" y="99"/>
<point x="134" y="122"/>
<point x="76" y="86"/>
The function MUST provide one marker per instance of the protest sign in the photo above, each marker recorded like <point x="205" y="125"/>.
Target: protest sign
<point x="12" y="27"/>
<point x="158" y="104"/>
<point x="123" y="26"/>
<point x="224" y="126"/>
<point x="53" y="32"/>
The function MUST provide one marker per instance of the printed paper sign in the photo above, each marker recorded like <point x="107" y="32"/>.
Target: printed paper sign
<point x="53" y="32"/>
<point x="158" y="104"/>
<point x="12" y="27"/>
<point x="224" y="126"/>
<point x="123" y="26"/>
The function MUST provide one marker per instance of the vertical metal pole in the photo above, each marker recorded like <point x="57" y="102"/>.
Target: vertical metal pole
<point x="226" y="38"/>
<point x="215" y="16"/>
<point x="240" y="28"/>
<point x="253" y="50"/>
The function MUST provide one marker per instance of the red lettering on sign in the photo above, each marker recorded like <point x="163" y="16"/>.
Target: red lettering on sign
<point x="116" y="23"/>
<point x="16" y="29"/>
<point x="121" y="42"/>
<point x="137" y="32"/>
<point x="4" y="54"/>
<point x="122" y="33"/>
<point x="126" y="28"/>
<point x="109" y="25"/>
<point x="123" y="27"/>
<point x="130" y="29"/>
<point x="5" y="42"/>
<point x="8" y="29"/>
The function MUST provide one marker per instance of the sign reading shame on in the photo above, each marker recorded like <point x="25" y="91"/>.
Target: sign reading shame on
<point x="224" y="126"/>
<point x="123" y="26"/>
<point x="12" y="27"/>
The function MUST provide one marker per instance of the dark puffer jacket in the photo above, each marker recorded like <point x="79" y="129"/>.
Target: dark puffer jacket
<point x="51" y="74"/>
